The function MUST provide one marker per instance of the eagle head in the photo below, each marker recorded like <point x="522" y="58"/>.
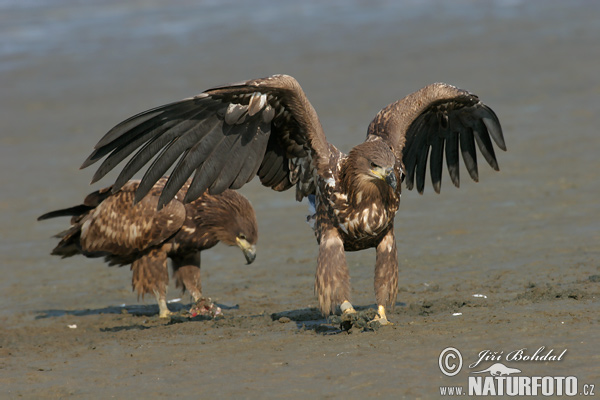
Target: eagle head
<point x="244" y="229"/>
<point x="374" y="162"/>
<point x="238" y="226"/>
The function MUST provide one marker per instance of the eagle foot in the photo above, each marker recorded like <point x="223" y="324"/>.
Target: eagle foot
<point x="381" y="318"/>
<point x="165" y="314"/>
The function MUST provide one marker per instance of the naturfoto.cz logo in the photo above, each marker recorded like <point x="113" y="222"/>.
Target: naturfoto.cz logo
<point x="499" y="379"/>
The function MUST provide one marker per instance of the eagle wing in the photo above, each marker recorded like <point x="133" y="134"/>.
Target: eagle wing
<point x="117" y="226"/>
<point x="224" y="136"/>
<point x="437" y="119"/>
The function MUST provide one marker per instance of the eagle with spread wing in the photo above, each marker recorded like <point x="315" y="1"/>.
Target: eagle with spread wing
<point x="108" y="224"/>
<point x="267" y="127"/>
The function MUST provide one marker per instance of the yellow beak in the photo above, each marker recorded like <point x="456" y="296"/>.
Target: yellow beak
<point x="387" y="175"/>
<point x="248" y="249"/>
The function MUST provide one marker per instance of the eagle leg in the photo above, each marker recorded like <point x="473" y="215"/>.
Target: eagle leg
<point x="186" y="271"/>
<point x="162" y="303"/>
<point x="150" y="275"/>
<point x="332" y="280"/>
<point x="386" y="275"/>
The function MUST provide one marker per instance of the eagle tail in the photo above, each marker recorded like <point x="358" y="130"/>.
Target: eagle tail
<point x="91" y="201"/>
<point x="69" y="244"/>
<point x="66" y="212"/>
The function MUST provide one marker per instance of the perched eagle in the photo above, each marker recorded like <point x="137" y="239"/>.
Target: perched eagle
<point x="109" y="225"/>
<point x="227" y="135"/>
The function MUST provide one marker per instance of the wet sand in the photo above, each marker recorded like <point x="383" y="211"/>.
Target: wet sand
<point x="526" y="238"/>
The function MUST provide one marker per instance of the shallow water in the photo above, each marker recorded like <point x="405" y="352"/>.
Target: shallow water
<point x="71" y="70"/>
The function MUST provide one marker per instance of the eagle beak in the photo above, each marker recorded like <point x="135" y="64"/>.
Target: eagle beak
<point x="248" y="249"/>
<point x="390" y="178"/>
<point x="386" y="175"/>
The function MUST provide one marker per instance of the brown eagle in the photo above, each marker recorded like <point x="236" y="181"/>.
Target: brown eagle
<point x="227" y="135"/>
<point x="109" y="225"/>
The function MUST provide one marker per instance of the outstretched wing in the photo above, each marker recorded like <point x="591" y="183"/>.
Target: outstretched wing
<point x="224" y="136"/>
<point x="433" y="121"/>
<point x="117" y="226"/>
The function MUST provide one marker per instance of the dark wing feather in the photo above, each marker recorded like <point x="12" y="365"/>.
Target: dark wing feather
<point x="224" y="137"/>
<point x="435" y="118"/>
<point x="275" y="168"/>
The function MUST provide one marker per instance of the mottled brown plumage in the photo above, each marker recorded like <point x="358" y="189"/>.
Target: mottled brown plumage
<point x="267" y="127"/>
<point x="109" y="225"/>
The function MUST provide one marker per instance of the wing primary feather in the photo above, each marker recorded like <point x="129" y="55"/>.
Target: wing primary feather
<point x="136" y="162"/>
<point x="190" y="161"/>
<point x="243" y="155"/>
<point x="235" y="155"/>
<point x="416" y="139"/>
<point x="485" y="144"/>
<point x="213" y="166"/>
<point x="144" y="154"/>
<point x="97" y="154"/>
<point x="150" y="120"/>
<point x="174" y="150"/>
<point x="422" y="167"/>
<point x="193" y="187"/>
<point x="452" y="158"/>
<point x="410" y="179"/>
<point x="256" y="153"/>
<point x="436" y="159"/>
<point x="467" y="148"/>
<point x="128" y="131"/>
<point x="195" y="138"/>
<point x="160" y="137"/>
<point x="195" y="159"/>
<point x="172" y="110"/>
<point x="139" y="134"/>
<point x="178" y="177"/>
<point x="212" y="162"/>
<point x="117" y="156"/>
<point x="125" y="127"/>
<point x="410" y="163"/>
<point x="493" y="126"/>
<point x="159" y="166"/>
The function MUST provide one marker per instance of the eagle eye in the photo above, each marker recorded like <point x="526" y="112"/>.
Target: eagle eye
<point x="373" y="165"/>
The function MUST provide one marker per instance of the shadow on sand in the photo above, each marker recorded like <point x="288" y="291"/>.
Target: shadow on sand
<point x="304" y="319"/>
<point x="148" y="310"/>
<point x="312" y="319"/>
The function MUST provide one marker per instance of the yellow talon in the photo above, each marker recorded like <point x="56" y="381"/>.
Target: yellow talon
<point x="381" y="317"/>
